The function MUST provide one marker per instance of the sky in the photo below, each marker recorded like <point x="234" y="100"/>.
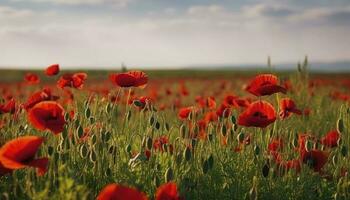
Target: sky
<point x="171" y="33"/>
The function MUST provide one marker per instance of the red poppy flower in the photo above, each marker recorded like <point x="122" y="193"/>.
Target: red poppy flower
<point x="72" y="80"/>
<point x="159" y="143"/>
<point x="331" y="139"/>
<point x="43" y="95"/>
<point x="9" y="107"/>
<point x="223" y="111"/>
<point x="230" y="100"/>
<point x="287" y="107"/>
<point x="211" y="104"/>
<point x="19" y="153"/>
<point x="47" y="115"/>
<point x="167" y="191"/>
<point x="258" y="114"/>
<point x="290" y="164"/>
<point x="52" y="70"/>
<point x="275" y="145"/>
<point x="210" y="117"/>
<point x="185" y="112"/>
<point x="264" y="84"/>
<point x="316" y="159"/>
<point x="130" y="79"/>
<point x="31" y="78"/>
<point x="120" y="192"/>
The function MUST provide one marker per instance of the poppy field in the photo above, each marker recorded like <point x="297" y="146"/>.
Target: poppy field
<point x="135" y="134"/>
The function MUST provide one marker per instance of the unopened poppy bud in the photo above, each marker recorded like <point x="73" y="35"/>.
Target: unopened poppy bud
<point x="205" y="166"/>
<point x="344" y="151"/>
<point x="210" y="137"/>
<point x="234" y="128"/>
<point x="50" y="150"/>
<point x="211" y="161"/>
<point x="340" y="125"/>
<point x="253" y="193"/>
<point x="156" y="181"/>
<point x="93" y="139"/>
<point x="240" y="137"/>
<point x="83" y="151"/>
<point x="66" y="116"/>
<point x="223" y="130"/>
<point x="265" y="170"/>
<point x="108" y="108"/>
<point x="193" y="142"/>
<point x="93" y="156"/>
<point x="149" y="143"/>
<point x="108" y="172"/>
<point x="308" y="145"/>
<point x="183" y="131"/>
<point x="187" y="154"/>
<point x="107" y="136"/>
<point x="77" y="123"/>
<point x="157" y="125"/>
<point x="138" y="103"/>
<point x="233" y="119"/>
<point x="80" y="131"/>
<point x="256" y="150"/>
<point x="87" y="112"/>
<point x="167" y="127"/>
<point x="169" y="175"/>
<point x="128" y="148"/>
<point x="92" y="120"/>
<point x="151" y="120"/>
<point x="112" y="149"/>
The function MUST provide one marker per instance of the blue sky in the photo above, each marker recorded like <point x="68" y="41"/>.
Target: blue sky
<point x="171" y="33"/>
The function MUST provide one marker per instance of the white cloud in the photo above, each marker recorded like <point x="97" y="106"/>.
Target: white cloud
<point x="203" y="35"/>
<point x="119" y="3"/>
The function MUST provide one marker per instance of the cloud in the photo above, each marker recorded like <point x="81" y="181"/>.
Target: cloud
<point x="118" y="3"/>
<point x="212" y="34"/>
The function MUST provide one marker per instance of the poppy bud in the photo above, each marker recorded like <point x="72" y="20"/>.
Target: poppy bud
<point x="66" y="116"/>
<point x="80" y="131"/>
<point x="128" y="148"/>
<point x="178" y="158"/>
<point x="211" y="161"/>
<point x="87" y="112"/>
<point x="156" y="181"/>
<point x="108" y="172"/>
<point x="253" y="193"/>
<point x="240" y="137"/>
<point x="193" y="142"/>
<point x="93" y="156"/>
<point x="340" y="125"/>
<point x="233" y="119"/>
<point x="50" y="150"/>
<point x="183" y="131"/>
<point x="108" y="108"/>
<point x="77" y="123"/>
<point x="344" y="151"/>
<point x="167" y="127"/>
<point x="234" y="128"/>
<point x="112" y="149"/>
<point x="83" y="151"/>
<point x="223" y="130"/>
<point x="107" y="136"/>
<point x="265" y="170"/>
<point x="187" y="154"/>
<point x="169" y="175"/>
<point x="93" y="139"/>
<point x="157" y="125"/>
<point x="151" y="120"/>
<point x="92" y="120"/>
<point x="205" y="166"/>
<point x="138" y="103"/>
<point x="308" y="145"/>
<point x="210" y="137"/>
<point x="256" y="150"/>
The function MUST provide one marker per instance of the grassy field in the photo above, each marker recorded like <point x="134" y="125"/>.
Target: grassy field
<point x="111" y="136"/>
